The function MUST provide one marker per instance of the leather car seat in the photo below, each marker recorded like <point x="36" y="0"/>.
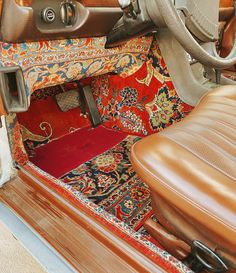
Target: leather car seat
<point x="191" y="171"/>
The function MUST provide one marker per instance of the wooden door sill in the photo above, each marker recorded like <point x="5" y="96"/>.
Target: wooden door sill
<point x="84" y="242"/>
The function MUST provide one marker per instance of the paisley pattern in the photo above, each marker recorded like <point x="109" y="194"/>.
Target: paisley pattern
<point x="143" y="103"/>
<point x="160" y="109"/>
<point x="138" y="101"/>
<point x="32" y="141"/>
<point x="50" y="123"/>
<point x="109" y="181"/>
<point x="50" y="63"/>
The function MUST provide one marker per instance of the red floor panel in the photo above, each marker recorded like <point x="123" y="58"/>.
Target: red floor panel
<point x="65" y="154"/>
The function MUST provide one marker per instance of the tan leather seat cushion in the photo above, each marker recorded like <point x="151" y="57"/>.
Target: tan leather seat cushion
<point x="192" y="165"/>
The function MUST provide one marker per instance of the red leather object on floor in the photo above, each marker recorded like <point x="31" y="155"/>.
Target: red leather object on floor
<point x="62" y="155"/>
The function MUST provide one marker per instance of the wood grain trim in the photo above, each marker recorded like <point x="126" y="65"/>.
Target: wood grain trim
<point x="2" y="108"/>
<point x="226" y="3"/>
<point x="86" y="3"/>
<point x="226" y="13"/>
<point x="24" y="3"/>
<point x="1" y="5"/>
<point x="100" y="3"/>
<point x="82" y="241"/>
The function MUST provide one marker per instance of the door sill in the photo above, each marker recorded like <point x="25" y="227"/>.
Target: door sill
<point x="81" y="240"/>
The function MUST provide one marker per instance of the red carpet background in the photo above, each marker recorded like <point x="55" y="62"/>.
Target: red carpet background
<point x="143" y="103"/>
<point x="63" y="155"/>
<point x="96" y="162"/>
<point x="138" y="105"/>
<point x="45" y="122"/>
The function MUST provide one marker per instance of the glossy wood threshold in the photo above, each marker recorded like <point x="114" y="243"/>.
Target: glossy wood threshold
<point x="82" y="241"/>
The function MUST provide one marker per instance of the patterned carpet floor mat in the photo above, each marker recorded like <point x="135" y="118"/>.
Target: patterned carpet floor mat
<point x="109" y="181"/>
<point x="96" y="163"/>
<point x="137" y="105"/>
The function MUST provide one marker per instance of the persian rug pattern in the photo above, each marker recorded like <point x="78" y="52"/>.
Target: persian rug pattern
<point x="109" y="181"/>
<point x="49" y="63"/>
<point x="141" y="104"/>
<point x="50" y="123"/>
<point x="144" y="103"/>
<point x="136" y="239"/>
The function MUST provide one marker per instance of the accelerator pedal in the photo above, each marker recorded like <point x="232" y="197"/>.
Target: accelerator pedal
<point x="88" y="100"/>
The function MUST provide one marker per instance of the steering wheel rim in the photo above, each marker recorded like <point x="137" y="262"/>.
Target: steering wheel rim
<point x="175" y="24"/>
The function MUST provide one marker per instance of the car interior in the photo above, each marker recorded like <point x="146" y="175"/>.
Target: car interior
<point x="120" y="118"/>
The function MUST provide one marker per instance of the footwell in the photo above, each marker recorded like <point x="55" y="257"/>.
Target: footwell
<point x="96" y="162"/>
<point x="105" y="186"/>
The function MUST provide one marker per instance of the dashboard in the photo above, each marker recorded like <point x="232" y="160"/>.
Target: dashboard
<point x="49" y="42"/>
<point x="35" y="20"/>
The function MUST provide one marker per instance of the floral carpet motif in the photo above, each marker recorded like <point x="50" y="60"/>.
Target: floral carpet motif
<point x="137" y="239"/>
<point x="50" y="63"/>
<point x="143" y="103"/>
<point x="109" y="181"/>
<point x="50" y="123"/>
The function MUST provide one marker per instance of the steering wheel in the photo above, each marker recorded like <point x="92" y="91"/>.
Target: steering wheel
<point x="194" y="24"/>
